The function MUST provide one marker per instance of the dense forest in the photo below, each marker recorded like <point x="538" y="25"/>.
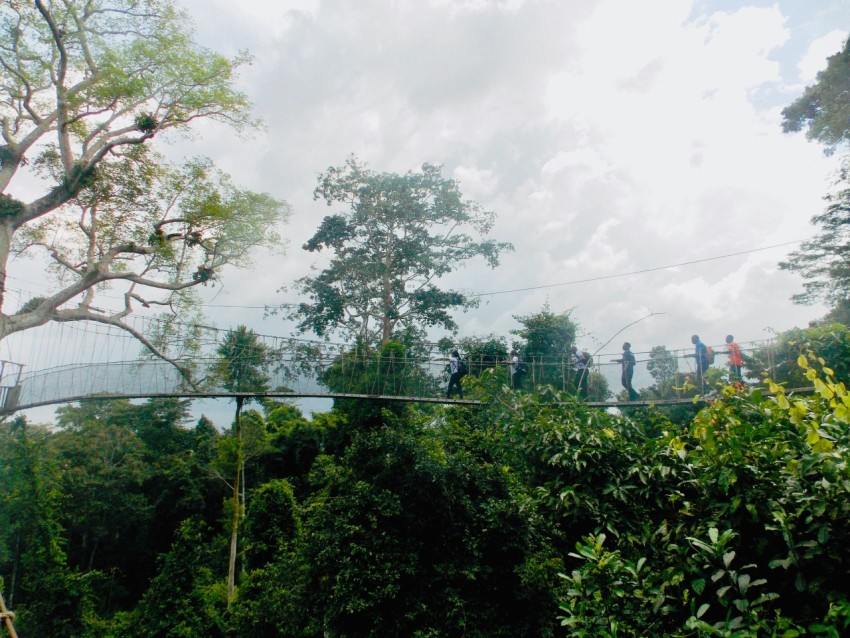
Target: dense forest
<point x="528" y="515"/>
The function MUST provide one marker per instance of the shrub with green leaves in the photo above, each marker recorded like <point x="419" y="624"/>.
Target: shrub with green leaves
<point x="735" y="526"/>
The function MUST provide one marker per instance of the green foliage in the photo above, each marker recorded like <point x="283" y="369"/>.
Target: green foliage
<point x="124" y="57"/>
<point x="546" y="341"/>
<point x="840" y="313"/>
<point x="769" y="470"/>
<point x="413" y="537"/>
<point x="384" y="372"/>
<point x="400" y="234"/>
<point x="109" y="75"/>
<point x="664" y="368"/>
<point x="271" y="521"/>
<point x="778" y="359"/>
<point x="822" y="260"/>
<point x="243" y="359"/>
<point x="442" y="522"/>
<point x="9" y="206"/>
<point x="608" y="596"/>
<point x="47" y="594"/>
<point x="294" y="443"/>
<point x="120" y="476"/>
<point x="546" y="335"/>
<point x="187" y="597"/>
<point x="823" y="109"/>
<point x="482" y="353"/>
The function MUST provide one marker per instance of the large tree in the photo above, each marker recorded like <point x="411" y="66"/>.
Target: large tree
<point x="824" y="108"/>
<point x="823" y="111"/>
<point x="85" y="86"/>
<point x="243" y="360"/>
<point x="546" y="341"/>
<point x="398" y="236"/>
<point x="823" y="260"/>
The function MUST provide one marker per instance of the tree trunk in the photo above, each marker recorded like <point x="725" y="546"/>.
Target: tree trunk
<point x="234" y="530"/>
<point x="6" y="232"/>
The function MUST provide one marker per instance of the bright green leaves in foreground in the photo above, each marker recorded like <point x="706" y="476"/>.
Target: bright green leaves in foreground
<point x="737" y="527"/>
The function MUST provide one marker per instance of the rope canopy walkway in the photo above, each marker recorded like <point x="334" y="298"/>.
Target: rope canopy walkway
<point x="106" y="363"/>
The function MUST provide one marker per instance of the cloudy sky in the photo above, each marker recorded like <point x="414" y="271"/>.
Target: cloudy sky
<point x="609" y="137"/>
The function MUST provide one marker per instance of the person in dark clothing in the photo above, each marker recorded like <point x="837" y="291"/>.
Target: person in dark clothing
<point x="516" y="370"/>
<point x="701" y="356"/>
<point x="628" y="370"/>
<point x="454" y="375"/>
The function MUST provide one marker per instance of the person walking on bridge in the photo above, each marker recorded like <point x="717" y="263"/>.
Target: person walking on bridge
<point x="581" y="365"/>
<point x="516" y="368"/>
<point x="736" y="360"/>
<point x="701" y="356"/>
<point x="454" y="375"/>
<point x="628" y="370"/>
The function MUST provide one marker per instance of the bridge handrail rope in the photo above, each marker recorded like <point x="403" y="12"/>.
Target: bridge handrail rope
<point x="298" y="367"/>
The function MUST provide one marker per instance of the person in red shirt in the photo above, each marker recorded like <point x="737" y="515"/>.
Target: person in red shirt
<point x="736" y="361"/>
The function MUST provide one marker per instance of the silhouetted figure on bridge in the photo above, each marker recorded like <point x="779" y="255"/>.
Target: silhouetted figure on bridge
<point x="516" y="370"/>
<point x="454" y="376"/>
<point x="736" y="360"/>
<point x="581" y="364"/>
<point x="702" y="363"/>
<point x="628" y="370"/>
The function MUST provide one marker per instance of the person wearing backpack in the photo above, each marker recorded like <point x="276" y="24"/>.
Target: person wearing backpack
<point x="736" y="361"/>
<point x="701" y="354"/>
<point x="456" y="372"/>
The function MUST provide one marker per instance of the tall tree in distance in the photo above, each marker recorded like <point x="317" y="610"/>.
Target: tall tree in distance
<point x="84" y="87"/>
<point x="664" y="368"/>
<point x="546" y="341"/>
<point x="398" y="235"/>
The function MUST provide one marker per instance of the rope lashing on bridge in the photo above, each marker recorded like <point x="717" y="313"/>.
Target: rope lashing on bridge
<point x="8" y="618"/>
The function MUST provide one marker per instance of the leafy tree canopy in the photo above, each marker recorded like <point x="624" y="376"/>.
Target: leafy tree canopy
<point x="398" y="236"/>
<point x="823" y="109"/>
<point x="242" y="361"/>
<point x="85" y="87"/>
<point x="663" y="366"/>
<point x="546" y="334"/>
<point x="822" y="261"/>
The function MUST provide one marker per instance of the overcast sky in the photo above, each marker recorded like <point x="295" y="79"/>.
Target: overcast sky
<point x="608" y="136"/>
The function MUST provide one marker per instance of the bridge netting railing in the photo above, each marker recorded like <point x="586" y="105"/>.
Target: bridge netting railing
<point x="341" y="372"/>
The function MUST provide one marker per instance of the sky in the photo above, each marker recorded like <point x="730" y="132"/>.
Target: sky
<point x="608" y="136"/>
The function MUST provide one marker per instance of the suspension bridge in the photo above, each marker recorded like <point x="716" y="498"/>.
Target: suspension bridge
<point x="63" y="363"/>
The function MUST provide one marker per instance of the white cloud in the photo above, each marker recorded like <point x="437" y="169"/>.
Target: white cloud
<point x="819" y="50"/>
